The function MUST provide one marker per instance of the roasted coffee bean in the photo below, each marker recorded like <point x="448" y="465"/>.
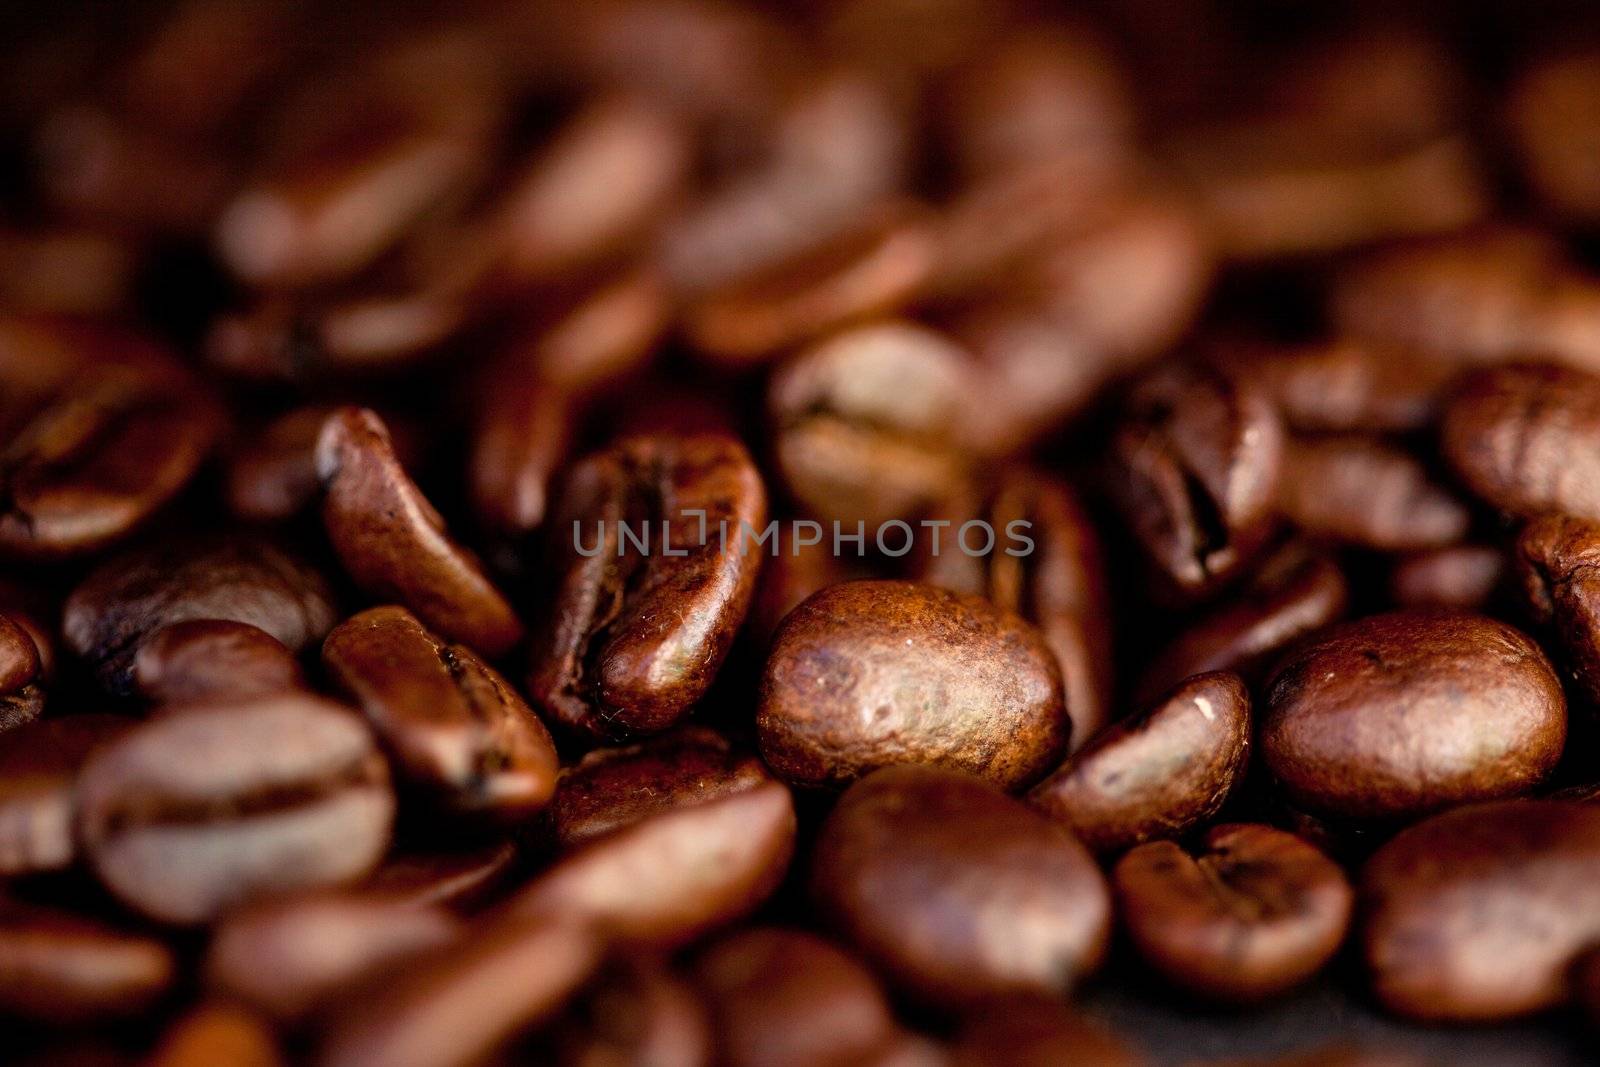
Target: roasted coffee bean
<point x="1294" y="593"/>
<point x="274" y="475"/>
<point x="287" y="955"/>
<point x="1056" y="580"/>
<point x="39" y="763"/>
<point x="1556" y="560"/>
<point x="1461" y="576"/>
<point x="196" y="810"/>
<point x="1255" y="913"/>
<point x="61" y="968"/>
<point x="21" y="695"/>
<point x="522" y="436"/>
<point x="1037" y="1032"/>
<point x="1545" y="111"/>
<point x="1349" y="385"/>
<point x="1363" y="492"/>
<point x="610" y="788"/>
<point x="1158" y="774"/>
<point x="215" y="1034"/>
<point x="611" y="332"/>
<point x="231" y="579"/>
<point x="767" y="987"/>
<point x="456" y="729"/>
<point x="869" y="674"/>
<point x="867" y="424"/>
<point x="66" y="271"/>
<point x="213" y="659"/>
<point x="1401" y="714"/>
<point x="393" y="543"/>
<point x="1520" y="438"/>
<point x="670" y="878"/>
<point x="637" y="1014"/>
<point x="1195" y="469"/>
<point x="1479" y="913"/>
<point x="456" y="879"/>
<point x="654" y="571"/>
<point x="955" y="892"/>
<point x="456" y="1006"/>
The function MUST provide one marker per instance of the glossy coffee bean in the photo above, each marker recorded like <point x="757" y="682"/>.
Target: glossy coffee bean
<point x="1400" y="714"/>
<point x="868" y="674"/>
<point x="1461" y="576"/>
<point x="523" y="431"/>
<point x="642" y="614"/>
<point x="671" y="878"/>
<point x="39" y="764"/>
<point x="637" y="1013"/>
<point x="272" y="475"/>
<point x="955" y="892"/>
<point x="131" y="597"/>
<point x="213" y="659"/>
<point x="21" y="694"/>
<point x="204" y="806"/>
<point x="1555" y="562"/>
<point x="393" y="543"/>
<point x="457" y="731"/>
<point x="1254" y="913"/>
<point x="1361" y="491"/>
<point x="458" y="879"/>
<point x="218" y="1033"/>
<point x="1158" y="774"/>
<point x="610" y="788"/>
<point x="458" y="1005"/>
<point x="1480" y="912"/>
<point x="287" y="955"/>
<point x="1195" y="466"/>
<point x="57" y="967"/>
<point x="1521" y="438"/>
<point x="1038" y="1032"/>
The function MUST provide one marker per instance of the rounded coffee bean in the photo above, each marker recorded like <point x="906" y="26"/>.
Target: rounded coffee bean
<point x="643" y="612"/>
<point x="213" y="659"/>
<point x="39" y="764"/>
<point x="868" y="674"/>
<point x="1397" y="715"/>
<point x="1038" y="1032"/>
<point x="1461" y="576"/>
<point x="218" y="1034"/>
<point x="1526" y="439"/>
<point x="456" y="729"/>
<point x="21" y="695"/>
<point x="1255" y="913"/>
<point x="1361" y="491"/>
<point x="202" y="807"/>
<point x="121" y="603"/>
<point x="610" y="788"/>
<point x="56" y="967"/>
<point x="1556" y="559"/>
<point x="273" y="475"/>
<point x="393" y="542"/>
<point x="1158" y="774"/>
<point x="1480" y="912"/>
<point x="956" y="892"/>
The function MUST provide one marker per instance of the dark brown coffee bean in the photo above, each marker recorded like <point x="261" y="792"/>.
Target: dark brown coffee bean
<point x="1059" y="585"/>
<point x="523" y="432"/>
<point x="1555" y="560"/>
<point x="56" y="967"/>
<point x="1520" y="437"/>
<point x="1038" y="1032"/>
<point x="1479" y="913"/>
<point x="673" y="877"/>
<point x="955" y="892"/>
<point x="1256" y="913"/>
<point x="1294" y="593"/>
<point x="232" y="579"/>
<point x="1461" y="576"/>
<point x="867" y="424"/>
<point x="1195" y="471"/>
<point x="458" y="1005"/>
<point x="636" y="1014"/>
<point x="455" y="879"/>
<point x="1158" y="774"/>
<point x="213" y="659"/>
<point x="289" y="955"/>
<point x="1349" y="385"/>
<point x="200" y="808"/>
<point x="39" y="763"/>
<point x="767" y="987"/>
<point x="394" y="543"/>
<point x="21" y="695"/>
<point x="612" y="331"/>
<point x="274" y="475"/>
<point x="1400" y="714"/>
<point x="1363" y="492"/>
<point x="218" y="1034"/>
<point x="654" y="573"/>
<point x="868" y="674"/>
<point x="610" y="788"/>
<point x="456" y="729"/>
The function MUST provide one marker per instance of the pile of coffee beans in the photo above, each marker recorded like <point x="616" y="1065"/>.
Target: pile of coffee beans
<point x="828" y="533"/>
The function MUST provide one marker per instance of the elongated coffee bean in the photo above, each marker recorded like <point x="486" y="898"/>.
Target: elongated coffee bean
<point x="61" y="968"/>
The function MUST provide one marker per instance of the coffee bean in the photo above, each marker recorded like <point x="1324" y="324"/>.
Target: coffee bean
<point x="1545" y="109"/>
<point x="1360" y="491"/>
<point x="636" y="1013"/>
<point x="459" y="879"/>
<point x="670" y="878"/>
<point x="213" y="659"/>
<point x="241" y="579"/>
<point x="1158" y="774"/>
<point x="955" y="892"/>
<point x="636" y="629"/>
<point x="868" y="674"/>
<point x="1038" y="1032"/>
<point x="1479" y="913"/>
<point x="1555" y="560"/>
<point x="611" y="788"/>
<point x="1519" y="437"/>
<point x="612" y="331"/>
<point x="39" y="763"/>
<point x="393" y="543"/>
<point x="273" y="475"/>
<point x="522" y="435"/>
<point x="1461" y="576"/>
<point x="1350" y="385"/>
<point x="196" y="810"/>
<point x="1254" y="914"/>
<point x="21" y="695"/>
<point x="218" y="1033"/>
<point x="457" y="730"/>
<point x="1401" y="714"/>
<point x="57" y="967"/>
